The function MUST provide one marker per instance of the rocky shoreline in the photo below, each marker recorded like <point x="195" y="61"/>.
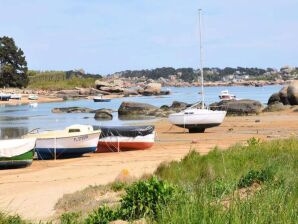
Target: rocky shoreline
<point x="287" y="97"/>
<point x="116" y="88"/>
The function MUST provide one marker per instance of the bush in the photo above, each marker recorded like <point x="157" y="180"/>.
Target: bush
<point x="103" y="215"/>
<point x="11" y="219"/>
<point x="253" y="142"/>
<point x="118" y="186"/>
<point x="145" y="198"/>
<point x="254" y="177"/>
<point x="70" y="218"/>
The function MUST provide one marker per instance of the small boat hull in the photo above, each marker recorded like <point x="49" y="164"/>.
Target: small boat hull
<point x="49" y="153"/>
<point x="19" y="161"/>
<point x="66" y="147"/>
<point x="15" y="97"/>
<point x="4" y="98"/>
<point x="122" y="143"/>
<point x="16" y="153"/>
<point x="196" y="120"/>
<point x="101" y="100"/>
<point x="33" y="97"/>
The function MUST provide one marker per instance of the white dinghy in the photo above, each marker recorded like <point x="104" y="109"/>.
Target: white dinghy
<point x="198" y="119"/>
<point x="16" y="153"/>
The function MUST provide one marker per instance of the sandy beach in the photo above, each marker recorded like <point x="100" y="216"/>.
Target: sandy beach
<point x="33" y="192"/>
<point x="25" y="100"/>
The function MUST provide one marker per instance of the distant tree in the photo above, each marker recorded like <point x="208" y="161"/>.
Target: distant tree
<point x="13" y="65"/>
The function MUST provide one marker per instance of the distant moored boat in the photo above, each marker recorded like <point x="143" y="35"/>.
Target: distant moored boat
<point x="225" y="95"/>
<point x="100" y="99"/>
<point x="33" y="97"/>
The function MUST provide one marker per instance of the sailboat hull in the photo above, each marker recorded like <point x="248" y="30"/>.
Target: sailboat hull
<point x="197" y="120"/>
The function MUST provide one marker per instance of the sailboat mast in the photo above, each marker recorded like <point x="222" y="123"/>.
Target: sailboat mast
<point x="201" y="60"/>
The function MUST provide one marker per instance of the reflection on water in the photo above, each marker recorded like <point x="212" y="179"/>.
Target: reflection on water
<point x="10" y="132"/>
<point x="12" y="110"/>
<point x="10" y="118"/>
<point x="135" y="118"/>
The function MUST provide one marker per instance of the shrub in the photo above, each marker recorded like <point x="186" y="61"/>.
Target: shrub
<point x="145" y="198"/>
<point x="117" y="186"/>
<point x="70" y="218"/>
<point x="253" y="141"/>
<point x="103" y="215"/>
<point x="254" y="177"/>
<point x="11" y="219"/>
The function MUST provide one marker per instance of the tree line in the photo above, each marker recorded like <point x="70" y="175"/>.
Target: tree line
<point x="190" y="74"/>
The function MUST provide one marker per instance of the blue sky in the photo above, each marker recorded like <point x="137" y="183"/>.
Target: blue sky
<point x="105" y="36"/>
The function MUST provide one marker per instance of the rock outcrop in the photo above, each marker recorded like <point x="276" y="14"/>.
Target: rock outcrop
<point x="136" y="109"/>
<point x="293" y="93"/>
<point x="152" y="89"/>
<point x="288" y="95"/>
<point x="141" y="110"/>
<point x="238" y="107"/>
<point x="103" y="114"/>
<point x="277" y="106"/>
<point x="72" y="110"/>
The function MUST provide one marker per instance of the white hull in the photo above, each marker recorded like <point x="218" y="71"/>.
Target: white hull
<point x="66" y="143"/>
<point x="33" y="97"/>
<point x="74" y="142"/>
<point x="15" y="97"/>
<point x="197" y="119"/>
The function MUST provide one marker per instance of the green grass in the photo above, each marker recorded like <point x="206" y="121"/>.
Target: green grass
<point x="62" y="84"/>
<point x="58" y="80"/>
<point x="213" y="179"/>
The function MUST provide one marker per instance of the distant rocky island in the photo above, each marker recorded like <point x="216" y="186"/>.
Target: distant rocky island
<point x="228" y="76"/>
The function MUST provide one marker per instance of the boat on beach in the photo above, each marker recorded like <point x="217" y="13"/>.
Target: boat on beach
<point x="125" y="138"/>
<point x="33" y="97"/>
<point x="73" y="141"/>
<point x="15" y="96"/>
<point x="99" y="98"/>
<point x="16" y="153"/>
<point x="4" y="97"/>
<point x="225" y="95"/>
<point x="198" y="117"/>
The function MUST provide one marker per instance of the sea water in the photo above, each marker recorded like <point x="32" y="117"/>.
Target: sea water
<point x="16" y="121"/>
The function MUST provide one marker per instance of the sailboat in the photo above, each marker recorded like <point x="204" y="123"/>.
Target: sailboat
<point x="198" y="117"/>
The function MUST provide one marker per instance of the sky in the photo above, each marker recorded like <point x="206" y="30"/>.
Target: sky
<point x="107" y="36"/>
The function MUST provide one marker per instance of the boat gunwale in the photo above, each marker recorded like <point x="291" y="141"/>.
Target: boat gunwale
<point x="40" y="136"/>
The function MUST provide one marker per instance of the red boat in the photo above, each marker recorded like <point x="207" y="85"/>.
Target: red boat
<point x="125" y="138"/>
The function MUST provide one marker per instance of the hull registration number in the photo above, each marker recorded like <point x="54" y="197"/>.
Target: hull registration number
<point x="80" y="138"/>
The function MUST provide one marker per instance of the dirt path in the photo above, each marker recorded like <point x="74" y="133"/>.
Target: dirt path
<point x="33" y="192"/>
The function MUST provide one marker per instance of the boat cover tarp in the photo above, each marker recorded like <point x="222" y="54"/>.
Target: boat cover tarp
<point x="127" y="131"/>
<point x="16" y="147"/>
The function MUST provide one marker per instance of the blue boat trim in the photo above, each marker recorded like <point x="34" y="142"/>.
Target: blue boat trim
<point x="48" y="153"/>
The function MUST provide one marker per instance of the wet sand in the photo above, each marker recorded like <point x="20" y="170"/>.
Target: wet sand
<point x="32" y="192"/>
